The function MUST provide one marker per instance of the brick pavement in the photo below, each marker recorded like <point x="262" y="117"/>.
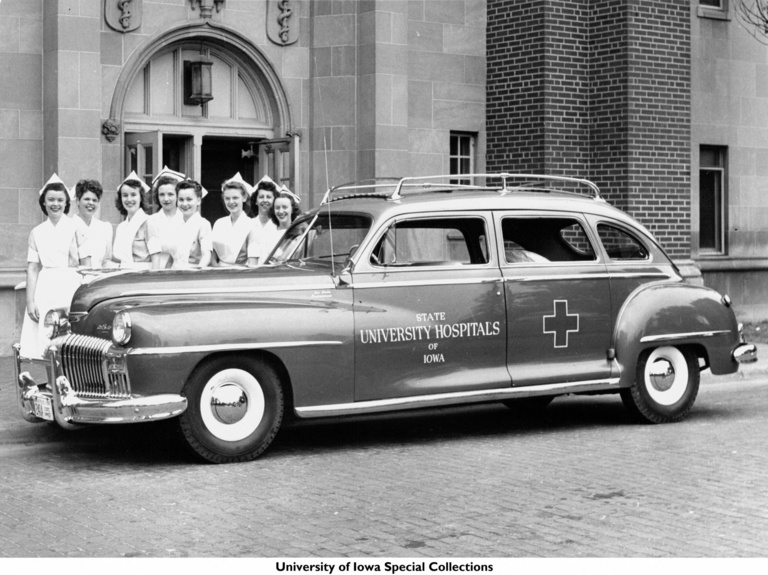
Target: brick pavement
<point x="462" y="482"/>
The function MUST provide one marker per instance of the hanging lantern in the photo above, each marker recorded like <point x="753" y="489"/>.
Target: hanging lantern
<point x="198" y="81"/>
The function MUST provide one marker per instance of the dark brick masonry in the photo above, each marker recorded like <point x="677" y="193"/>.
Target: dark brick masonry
<point x="597" y="89"/>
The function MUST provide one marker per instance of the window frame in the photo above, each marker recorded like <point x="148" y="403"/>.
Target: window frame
<point x="458" y="157"/>
<point x="576" y="217"/>
<point x="720" y="201"/>
<point x="633" y="235"/>
<point x="719" y="12"/>
<point x="394" y="222"/>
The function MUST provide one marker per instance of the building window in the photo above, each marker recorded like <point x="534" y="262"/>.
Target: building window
<point x="712" y="180"/>
<point x="462" y="156"/>
<point x="717" y="9"/>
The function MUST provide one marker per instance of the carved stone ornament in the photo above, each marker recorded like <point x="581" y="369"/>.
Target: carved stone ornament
<point x="206" y="7"/>
<point x="123" y="15"/>
<point x="111" y="129"/>
<point x="282" y="21"/>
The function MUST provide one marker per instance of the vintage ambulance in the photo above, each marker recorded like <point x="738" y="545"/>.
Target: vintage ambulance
<point x="393" y="295"/>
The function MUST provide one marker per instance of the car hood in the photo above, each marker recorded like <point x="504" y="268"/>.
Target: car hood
<point x="168" y="283"/>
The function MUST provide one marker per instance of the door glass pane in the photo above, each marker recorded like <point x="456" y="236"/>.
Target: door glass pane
<point x="709" y="194"/>
<point x="539" y="240"/>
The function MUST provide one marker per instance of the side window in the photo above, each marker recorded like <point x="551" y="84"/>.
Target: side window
<point x="619" y="245"/>
<point x="540" y="239"/>
<point x="438" y="241"/>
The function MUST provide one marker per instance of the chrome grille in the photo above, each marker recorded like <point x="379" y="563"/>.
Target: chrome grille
<point x="84" y="362"/>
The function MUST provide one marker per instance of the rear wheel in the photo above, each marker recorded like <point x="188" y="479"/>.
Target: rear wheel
<point x="235" y="408"/>
<point x="665" y="387"/>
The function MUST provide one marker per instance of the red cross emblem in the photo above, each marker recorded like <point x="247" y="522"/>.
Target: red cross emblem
<point x="561" y="323"/>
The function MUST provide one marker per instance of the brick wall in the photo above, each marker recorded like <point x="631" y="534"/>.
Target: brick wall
<point x="515" y="86"/>
<point x="597" y="89"/>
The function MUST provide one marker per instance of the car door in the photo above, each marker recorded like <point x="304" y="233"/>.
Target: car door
<point x="429" y="309"/>
<point x="558" y="299"/>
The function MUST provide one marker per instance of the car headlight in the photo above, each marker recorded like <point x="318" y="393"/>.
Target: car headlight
<point x="121" y="328"/>
<point x="55" y="323"/>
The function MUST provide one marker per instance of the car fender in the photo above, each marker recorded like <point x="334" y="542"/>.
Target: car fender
<point x="677" y="314"/>
<point x="170" y="338"/>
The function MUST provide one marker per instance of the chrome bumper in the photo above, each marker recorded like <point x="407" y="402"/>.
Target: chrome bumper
<point x="745" y="353"/>
<point x="55" y="400"/>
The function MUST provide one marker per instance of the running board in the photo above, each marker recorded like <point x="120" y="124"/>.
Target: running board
<point x="456" y="398"/>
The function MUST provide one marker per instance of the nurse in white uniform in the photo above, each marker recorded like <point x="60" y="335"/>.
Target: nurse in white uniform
<point x="57" y="247"/>
<point x="88" y="194"/>
<point x="230" y="233"/>
<point x="194" y="246"/>
<point x="164" y="226"/>
<point x="264" y="226"/>
<point x="131" y="248"/>
<point x="284" y="211"/>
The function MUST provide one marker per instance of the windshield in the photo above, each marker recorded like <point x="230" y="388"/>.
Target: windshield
<point x="315" y="238"/>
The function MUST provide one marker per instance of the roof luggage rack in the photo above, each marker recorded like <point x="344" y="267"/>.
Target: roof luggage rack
<point x="394" y="188"/>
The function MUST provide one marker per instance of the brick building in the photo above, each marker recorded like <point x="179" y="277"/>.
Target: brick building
<point x="660" y="102"/>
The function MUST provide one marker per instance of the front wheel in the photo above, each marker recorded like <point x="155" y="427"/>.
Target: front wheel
<point x="665" y="387"/>
<point x="235" y="408"/>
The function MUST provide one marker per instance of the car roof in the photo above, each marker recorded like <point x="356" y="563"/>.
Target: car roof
<point x="449" y="199"/>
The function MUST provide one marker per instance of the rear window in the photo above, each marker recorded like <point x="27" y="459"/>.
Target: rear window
<point x="620" y="245"/>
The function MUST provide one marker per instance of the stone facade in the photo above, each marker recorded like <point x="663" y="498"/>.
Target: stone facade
<point x="729" y="98"/>
<point x="364" y="88"/>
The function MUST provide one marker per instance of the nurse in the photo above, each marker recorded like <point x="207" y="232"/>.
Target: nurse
<point x="131" y="248"/>
<point x="264" y="227"/>
<point x="56" y="248"/>
<point x="284" y="211"/>
<point x="164" y="226"/>
<point x="230" y="233"/>
<point x="88" y="195"/>
<point x="194" y="246"/>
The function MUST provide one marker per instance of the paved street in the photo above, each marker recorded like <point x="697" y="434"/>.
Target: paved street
<point x="583" y="481"/>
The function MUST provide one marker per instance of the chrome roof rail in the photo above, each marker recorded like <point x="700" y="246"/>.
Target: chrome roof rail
<point x="394" y="188"/>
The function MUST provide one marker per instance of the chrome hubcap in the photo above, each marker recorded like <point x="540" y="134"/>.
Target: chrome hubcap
<point x="229" y="403"/>
<point x="662" y="374"/>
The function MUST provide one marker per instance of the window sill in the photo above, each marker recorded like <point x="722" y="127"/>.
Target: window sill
<point x="713" y="13"/>
<point x="721" y="263"/>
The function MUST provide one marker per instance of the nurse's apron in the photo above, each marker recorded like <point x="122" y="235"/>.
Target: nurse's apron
<point x="229" y="241"/>
<point x="125" y="236"/>
<point x="56" y="251"/>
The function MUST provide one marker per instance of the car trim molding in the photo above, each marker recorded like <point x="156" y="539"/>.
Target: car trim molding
<point x="597" y="275"/>
<point x="459" y="397"/>
<point x="227" y="347"/>
<point x="675" y="336"/>
<point x="416" y="283"/>
<point x="225" y="290"/>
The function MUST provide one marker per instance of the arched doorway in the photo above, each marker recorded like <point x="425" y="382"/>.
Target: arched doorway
<point x="244" y="128"/>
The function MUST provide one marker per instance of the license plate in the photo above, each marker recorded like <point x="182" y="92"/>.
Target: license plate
<point x="43" y="407"/>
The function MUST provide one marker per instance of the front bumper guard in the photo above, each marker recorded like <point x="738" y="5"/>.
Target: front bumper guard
<point x="745" y="353"/>
<point x="55" y="399"/>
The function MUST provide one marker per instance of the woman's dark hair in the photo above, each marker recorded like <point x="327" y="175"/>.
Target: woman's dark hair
<point x="57" y="187"/>
<point x="162" y="181"/>
<point x="92" y="186"/>
<point x="136" y="185"/>
<point x="189" y="185"/>
<point x="294" y="208"/>
<point x="268" y="186"/>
